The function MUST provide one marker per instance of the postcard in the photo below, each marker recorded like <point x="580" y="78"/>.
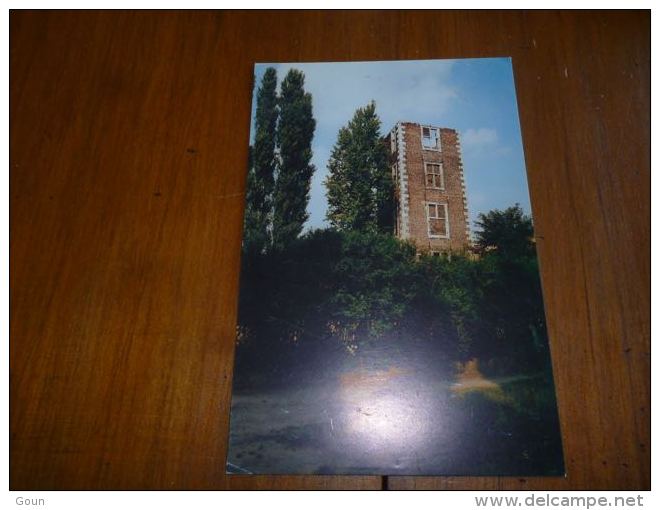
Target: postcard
<point x="391" y="317"/>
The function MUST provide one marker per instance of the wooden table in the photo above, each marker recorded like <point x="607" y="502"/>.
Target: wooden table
<point x="129" y="136"/>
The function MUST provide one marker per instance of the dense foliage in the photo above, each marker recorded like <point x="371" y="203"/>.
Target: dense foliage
<point x="353" y="289"/>
<point x="263" y="163"/>
<point x="509" y="232"/>
<point x="359" y="183"/>
<point x="279" y="169"/>
<point x="295" y="132"/>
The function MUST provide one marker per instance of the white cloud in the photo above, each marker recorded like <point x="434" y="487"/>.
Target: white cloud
<point x="405" y="90"/>
<point x="477" y="139"/>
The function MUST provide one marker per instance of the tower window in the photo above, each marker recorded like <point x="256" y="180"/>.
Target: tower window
<point x="438" y="221"/>
<point x="430" y="138"/>
<point x="435" y="177"/>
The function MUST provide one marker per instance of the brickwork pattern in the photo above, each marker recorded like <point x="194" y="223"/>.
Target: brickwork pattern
<point x="410" y="166"/>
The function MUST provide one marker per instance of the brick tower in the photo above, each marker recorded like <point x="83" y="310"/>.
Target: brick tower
<point x="428" y="174"/>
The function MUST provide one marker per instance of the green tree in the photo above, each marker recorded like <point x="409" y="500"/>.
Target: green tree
<point x="375" y="281"/>
<point x="295" y="132"/>
<point x="359" y="186"/>
<point x="261" y="171"/>
<point x="508" y="233"/>
<point x="511" y="318"/>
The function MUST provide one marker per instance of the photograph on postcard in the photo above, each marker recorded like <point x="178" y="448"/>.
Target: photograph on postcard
<point x="390" y="316"/>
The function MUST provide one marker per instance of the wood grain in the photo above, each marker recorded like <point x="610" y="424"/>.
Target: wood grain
<point x="128" y="151"/>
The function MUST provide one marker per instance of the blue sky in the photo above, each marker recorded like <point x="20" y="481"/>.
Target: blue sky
<point x="474" y="96"/>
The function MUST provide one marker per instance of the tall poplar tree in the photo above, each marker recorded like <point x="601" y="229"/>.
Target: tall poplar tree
<point x="263" y="161"/>
<point x="359" y="186"/>
<point x="295" y="132"/>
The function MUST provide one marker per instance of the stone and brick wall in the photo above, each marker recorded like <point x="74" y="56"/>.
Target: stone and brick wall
<point x="414" y="195"/>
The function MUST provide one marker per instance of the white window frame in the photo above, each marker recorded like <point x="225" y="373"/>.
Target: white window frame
<point x="429" y="218"/>
<point x="426" y="174"/>
<point x="437" y="139"/>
